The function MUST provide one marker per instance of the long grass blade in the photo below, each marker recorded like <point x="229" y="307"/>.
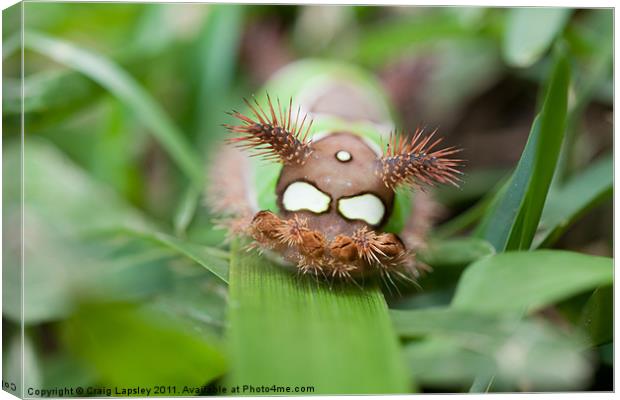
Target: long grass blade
<point x="516" y="211"/>
<point x="526" y="281"/>
<point x="289" y="331"/>
<point x="216" y="59"/>
<point x="213" y="259"/>
<point x="112" y="77"/>
<point x="569" y="202"/>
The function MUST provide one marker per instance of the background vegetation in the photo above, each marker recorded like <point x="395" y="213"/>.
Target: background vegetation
<point x="126" y="278"/>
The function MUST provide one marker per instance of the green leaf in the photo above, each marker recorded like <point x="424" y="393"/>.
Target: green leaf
<point x="62" y="192"/>
<point x="133" y="346"/>
<point x="41" y="92"/>
<point x="442" y="321"/>
<point x="552" y="128"/>
<point x="63" y="370"/>
<point x="115" y="253"/>
<point x="384" y="42"/>
<point x="458" y="346"/>
<point x="597" y="26"/>
<point x="109" y="75"/>
<point x="446" y="93"/>
<point x="515" y="213"/>
<point x="160" y="27"/>
<point x="214" y="260"/>
<point x="568" y="203"/>
<point x="287" y="330"/>
<point x="59" y="199"/>
<point x="455" y="252"/>
<point x="216" y="58"/>
<point x="475" y="213"/>
<point x="527" y="281"/>
<point x="597" y="317"/>
<point x="480" y="183"/>
<point x="606" y="353"/>
<point x="186" y="209"/>
<point x="530" y="32"/>
<point x="197" y="298"/>
<point x="217" y="50"/>
<point x="12" y="44"/>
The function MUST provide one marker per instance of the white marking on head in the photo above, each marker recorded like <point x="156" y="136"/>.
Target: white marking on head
<point x="304" y="196"/>
<point x="367" y="207"/>
<point x="343" y="156"/>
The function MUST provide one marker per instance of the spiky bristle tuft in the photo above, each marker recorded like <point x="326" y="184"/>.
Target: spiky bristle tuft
<point x="276" y="136"/>
<point x="343" y="258"/>
<point x="415" y="162"/>
<point x="367" y="245"/>
<point x="292" y="231"/>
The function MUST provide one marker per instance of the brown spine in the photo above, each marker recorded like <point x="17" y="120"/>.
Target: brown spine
<point x="415" y="162"/>
<point x="275" y="136"/>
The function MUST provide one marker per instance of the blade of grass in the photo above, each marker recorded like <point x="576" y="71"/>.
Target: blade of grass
<point x="289" y="331"/>
<point x="530" y="32"/>
<point x="386" y="41"/>
<point x="598" y="315"/>
<point x="463" y="220"/>
<point x="216" y="58"/>
<point x="528" y="281"/>
<point x="590" y="79"/>
<point x="552" y="128"/>
<point x="479" y="183"/>
<point x="186" y="209"/>
<point x="213" y="259"/>
<point x="112" y="77"/>
<point x="448" y="321"/>
<point x="474" y="214"/>
<point x="455" y="252"/>
<point x="482" y="384"/>
<point x="512" y="222"/>
<point x="210" y="258"/>
<point x="566" y="204"/>
<point x="41" y="91"/>
<point x="454" y="347"/>
<point x="57" y="208"/>
<point x="131" y="345"/>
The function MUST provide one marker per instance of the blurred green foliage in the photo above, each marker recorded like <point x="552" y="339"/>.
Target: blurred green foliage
<point x="126" y="277"/>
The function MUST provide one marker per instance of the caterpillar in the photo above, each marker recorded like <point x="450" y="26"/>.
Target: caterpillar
<point x="322" y="181"/>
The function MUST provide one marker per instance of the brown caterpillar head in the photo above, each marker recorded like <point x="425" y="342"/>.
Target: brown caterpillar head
<point x="337" y="188"/>
<point x="335" y="192"/>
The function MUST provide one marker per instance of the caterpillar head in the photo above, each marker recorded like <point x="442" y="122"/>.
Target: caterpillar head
<point x="337" y="188"/>
<point x="336" y="191"/>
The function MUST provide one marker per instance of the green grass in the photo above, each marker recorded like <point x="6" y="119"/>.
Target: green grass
<point x="128" y="283"/>
<point x="517" y="207"/>
<point x="293" y="331"/>
<point x="105" y="72"/>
